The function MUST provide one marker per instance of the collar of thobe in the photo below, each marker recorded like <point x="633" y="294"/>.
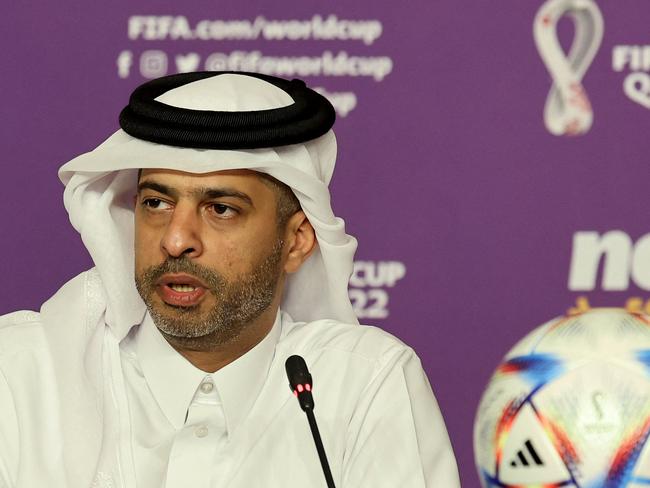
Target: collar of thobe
<point x="173" y="380"/>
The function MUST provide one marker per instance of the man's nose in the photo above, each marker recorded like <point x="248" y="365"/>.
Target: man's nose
<point x="183" y="233"/>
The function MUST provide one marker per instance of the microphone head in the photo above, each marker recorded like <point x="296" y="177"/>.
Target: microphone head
<point x="297" y="371"/>
<point x="300" y="381"/>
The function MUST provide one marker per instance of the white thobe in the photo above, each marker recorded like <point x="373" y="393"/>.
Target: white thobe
<point x="154" y="418"/>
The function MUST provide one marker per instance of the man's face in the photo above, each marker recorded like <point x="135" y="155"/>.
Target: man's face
<point x="208" y="257"/>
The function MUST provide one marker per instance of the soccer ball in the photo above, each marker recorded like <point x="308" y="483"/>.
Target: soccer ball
<point x="569" y="406"/>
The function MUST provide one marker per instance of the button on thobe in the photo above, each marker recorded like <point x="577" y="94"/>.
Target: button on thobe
<point x="197" y="444"/>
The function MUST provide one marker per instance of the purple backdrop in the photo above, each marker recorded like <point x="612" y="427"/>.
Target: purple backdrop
<point x="465" y="206"/>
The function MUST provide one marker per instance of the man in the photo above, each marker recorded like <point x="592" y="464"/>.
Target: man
<point x="217" y="257"/>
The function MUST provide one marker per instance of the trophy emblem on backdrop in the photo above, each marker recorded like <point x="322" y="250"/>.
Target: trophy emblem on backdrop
<point x="568" y="110"/>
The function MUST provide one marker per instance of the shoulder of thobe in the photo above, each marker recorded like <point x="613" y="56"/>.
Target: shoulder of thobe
<point x="396" y="422"/>
<point x="20" y="336"/>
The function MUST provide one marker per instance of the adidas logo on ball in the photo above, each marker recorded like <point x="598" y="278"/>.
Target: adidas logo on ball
<point x="527" y="456"/>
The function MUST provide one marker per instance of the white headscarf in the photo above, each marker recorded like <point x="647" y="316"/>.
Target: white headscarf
<point x="100" y="186"/>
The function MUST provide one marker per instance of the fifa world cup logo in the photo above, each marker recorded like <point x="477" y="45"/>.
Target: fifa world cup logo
<point x="567" y="110"/>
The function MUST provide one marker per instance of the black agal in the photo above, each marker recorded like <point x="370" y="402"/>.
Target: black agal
<point x="310" y="116"/>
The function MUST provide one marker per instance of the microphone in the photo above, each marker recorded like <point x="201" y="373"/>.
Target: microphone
<point x="300" y="383"/>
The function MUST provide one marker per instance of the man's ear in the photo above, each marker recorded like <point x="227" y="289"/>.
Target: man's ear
<point x="300" y="240"/>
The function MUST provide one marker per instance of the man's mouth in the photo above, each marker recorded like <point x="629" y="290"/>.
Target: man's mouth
<point x="180" y="290"/>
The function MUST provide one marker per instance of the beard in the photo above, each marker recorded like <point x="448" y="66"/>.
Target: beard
<point x="238" y="302"/>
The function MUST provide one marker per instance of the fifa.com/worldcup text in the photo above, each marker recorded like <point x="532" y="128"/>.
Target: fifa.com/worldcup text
<point x="330" y="28"/>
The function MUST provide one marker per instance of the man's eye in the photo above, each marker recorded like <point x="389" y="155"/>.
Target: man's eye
<point x="155" y="203"/>
<point x="223" y="210"/>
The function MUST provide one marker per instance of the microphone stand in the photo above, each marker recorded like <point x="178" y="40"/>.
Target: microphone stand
<point x="319" y="447"/>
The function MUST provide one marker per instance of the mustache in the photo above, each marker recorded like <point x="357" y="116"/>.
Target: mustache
<point x="183" y="264"/>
